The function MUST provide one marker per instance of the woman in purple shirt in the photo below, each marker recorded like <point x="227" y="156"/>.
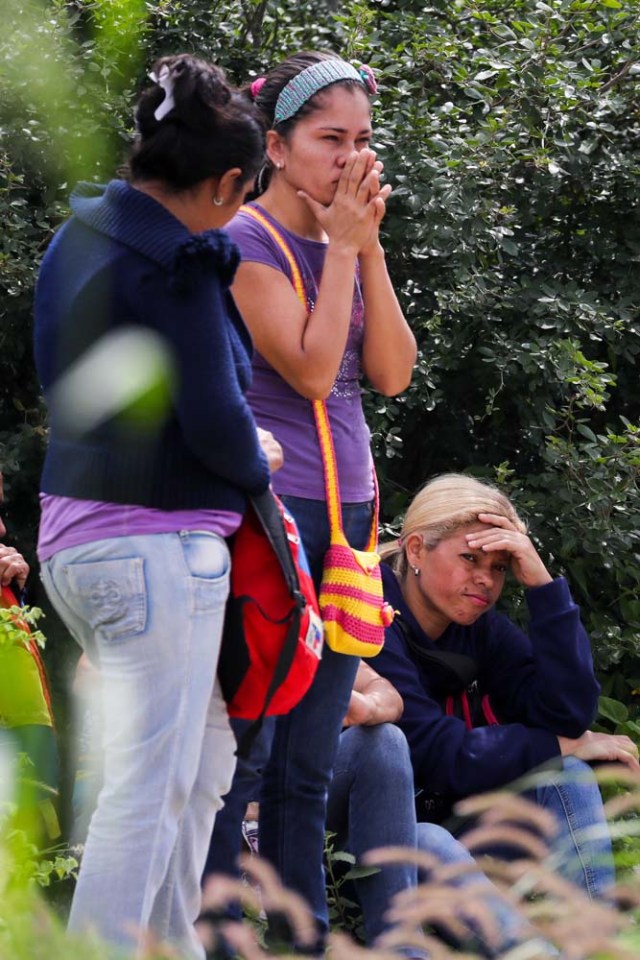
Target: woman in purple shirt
<point x="324" y="196"/>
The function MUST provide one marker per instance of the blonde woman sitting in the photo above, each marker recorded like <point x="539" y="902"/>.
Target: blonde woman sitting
<point x="534" y="693"/>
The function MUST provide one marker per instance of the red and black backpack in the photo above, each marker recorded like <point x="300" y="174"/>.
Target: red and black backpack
<point x="273" y="637"/>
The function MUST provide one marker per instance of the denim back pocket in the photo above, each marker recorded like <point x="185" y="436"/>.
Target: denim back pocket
<point x="206" y="561"/>
<point x="110" y="595"/>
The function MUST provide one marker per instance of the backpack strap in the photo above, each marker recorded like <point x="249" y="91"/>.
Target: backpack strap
<point x="320" y="412"/>
<point x="458" y="674"/>
<point x="268" y="513"/>
<point x="280" y="673"/>
<point x="459" y="670"/>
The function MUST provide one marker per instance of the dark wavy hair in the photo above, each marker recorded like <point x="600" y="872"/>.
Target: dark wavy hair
<point x="211" y="128"/>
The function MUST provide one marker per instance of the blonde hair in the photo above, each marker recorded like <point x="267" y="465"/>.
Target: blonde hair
<point x="442" y="507"/>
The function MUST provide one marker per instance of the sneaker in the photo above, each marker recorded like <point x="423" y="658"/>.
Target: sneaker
<point x="250" y="835"/>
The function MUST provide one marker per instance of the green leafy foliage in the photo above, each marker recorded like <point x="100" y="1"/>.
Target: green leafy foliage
<point x="15" y="623"/>
<point x="511" y="131"/>
<point x="340" y="868"/>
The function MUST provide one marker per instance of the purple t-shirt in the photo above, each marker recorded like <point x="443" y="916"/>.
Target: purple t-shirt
<point x="289" y="416"/>
<point x="69" y="522"/>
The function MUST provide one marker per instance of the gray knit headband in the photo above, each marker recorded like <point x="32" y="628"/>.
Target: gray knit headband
<point x="319" y="75"/>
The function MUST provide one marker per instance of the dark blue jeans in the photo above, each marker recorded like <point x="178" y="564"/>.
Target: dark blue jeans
<point x="371" y="805"/>
<point x="292" y="759"/>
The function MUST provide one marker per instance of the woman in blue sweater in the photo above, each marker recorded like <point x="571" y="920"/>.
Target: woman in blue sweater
<point x="144" y="362"/>
<point x="444" y="576"/>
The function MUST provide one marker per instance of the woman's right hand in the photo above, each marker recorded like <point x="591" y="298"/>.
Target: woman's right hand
<point x="355" y="211"/>
<point x="13" y="566"/>
<point x="271" y="449"/>
<point x="601" y="746"/>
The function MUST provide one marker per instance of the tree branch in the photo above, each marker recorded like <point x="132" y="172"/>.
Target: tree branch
<point x="620" y="75"/>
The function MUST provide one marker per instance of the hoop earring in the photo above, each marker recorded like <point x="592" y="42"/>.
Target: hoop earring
<point x="262" y="179"/>
<point x="218" y="201"/>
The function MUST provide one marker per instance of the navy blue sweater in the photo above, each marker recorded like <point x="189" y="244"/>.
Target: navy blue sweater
<point x="541" y="686"/>
<point x="123" y="261"/>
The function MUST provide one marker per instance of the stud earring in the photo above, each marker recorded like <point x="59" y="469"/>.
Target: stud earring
<point x="279" y="165"/>
<point x="217" y="201"/>
<point x="416" y="570"/>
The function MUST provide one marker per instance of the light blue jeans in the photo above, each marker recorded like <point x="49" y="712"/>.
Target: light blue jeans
<point x="148" y="611"/>
<point x="510" y="927"/>
<point x="581" y="850"/>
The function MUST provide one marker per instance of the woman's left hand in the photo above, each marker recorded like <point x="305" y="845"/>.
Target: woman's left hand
<point x="501" y="534"/>
<point x="379" y="195"/>
<point x="595" y="746"/>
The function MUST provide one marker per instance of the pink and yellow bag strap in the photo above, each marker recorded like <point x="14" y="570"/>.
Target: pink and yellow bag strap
<point x="323" y="426"/>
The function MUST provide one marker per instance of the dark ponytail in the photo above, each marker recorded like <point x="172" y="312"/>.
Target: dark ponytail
<point x="211" y="127"/>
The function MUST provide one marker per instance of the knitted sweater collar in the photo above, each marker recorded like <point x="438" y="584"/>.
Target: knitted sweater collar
<point x="136" y="220"/>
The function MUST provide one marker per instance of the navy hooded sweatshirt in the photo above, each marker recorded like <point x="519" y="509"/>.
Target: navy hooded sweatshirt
<point x="541" y="686"/>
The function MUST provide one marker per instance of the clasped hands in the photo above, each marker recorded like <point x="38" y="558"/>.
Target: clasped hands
<point x="353" y="217"/>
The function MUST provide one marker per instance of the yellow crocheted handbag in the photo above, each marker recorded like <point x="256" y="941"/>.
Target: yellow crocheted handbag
<point x="351" y="601"/>
<point x="352" y="606"/>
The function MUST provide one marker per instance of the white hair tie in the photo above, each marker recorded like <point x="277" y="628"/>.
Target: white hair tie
<point x="164" y="80"/>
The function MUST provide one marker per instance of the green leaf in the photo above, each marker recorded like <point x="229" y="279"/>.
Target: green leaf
<point x="484" y="75"/>
<point x="631" y="728"/>
<point x="357" y="873"/>
<point x="343" y="857"/>
<point x="587" y="432"/>
<point x="612" y="709"/>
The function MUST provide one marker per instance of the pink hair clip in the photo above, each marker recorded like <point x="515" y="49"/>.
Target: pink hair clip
<point x="257" y="86"/>
<point x="368" y="77"/>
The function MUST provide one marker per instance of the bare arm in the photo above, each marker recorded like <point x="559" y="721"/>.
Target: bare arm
<point x="501" y="535"/>
<point x="306" y="350"/>
<point x="389" y="349"/>
<point x="271" y="449"/>
<point x="373" y="700"/>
